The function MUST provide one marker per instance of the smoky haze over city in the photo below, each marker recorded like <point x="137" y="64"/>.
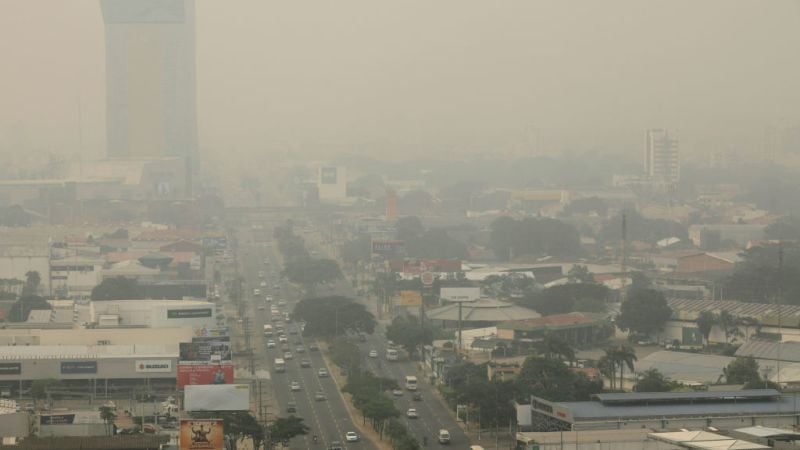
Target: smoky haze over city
<point x="523" y="225"/>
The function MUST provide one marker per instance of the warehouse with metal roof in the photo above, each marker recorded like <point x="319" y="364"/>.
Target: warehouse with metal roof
<point x="662" y="411"/>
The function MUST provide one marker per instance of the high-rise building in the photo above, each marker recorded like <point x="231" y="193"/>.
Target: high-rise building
<point x="150" y="78"/>
<point x="661" y="159"/>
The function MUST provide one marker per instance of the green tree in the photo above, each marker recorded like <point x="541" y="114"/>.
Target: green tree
<point x="730" y="326"/>
<point x="283" y="429"/>
<point x="547" y="378"/>
<point x="608" y="368"/>
<point x="580" y="274"/>
<point x="623" y="356"/>
<point x="742" y="370"/>
<point x="32" y="282"/>
<point x="651" y="380"/>
<point x="345" y="353"/>
<point x="555" y="347"/>
<point x="705" y="322"/>
<point x="409" y="228"/>
<point x="117" y="288"/>
<point x="409" y="332"/>
<point x="311" y="272"/>
<point x="327" y="317"/>
<point x="108" y="416"/>
<point x="41" y="387"/>
<point x="645" y="311"/>
<point x="590" y="297"/>
<point x="22" y="308"/>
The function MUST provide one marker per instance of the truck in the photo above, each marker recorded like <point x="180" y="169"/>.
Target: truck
<point x="411" y="382"/>
<point x="392" y="355"/>
<point x="280" y="365"/>
<point x="268" y="330"/>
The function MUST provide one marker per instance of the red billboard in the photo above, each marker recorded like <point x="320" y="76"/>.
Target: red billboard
<point x="204" y="374"/>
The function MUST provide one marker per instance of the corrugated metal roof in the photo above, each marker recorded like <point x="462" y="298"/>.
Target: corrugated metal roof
<point x="764" y="312"/>
<point x="483" y="310"/>
<point x="592" y="411"/>
<point x="686" y="367"/>
<point x="763" y="349"/>
<point x="643" y="397"/>
<point x="768" y="432"/>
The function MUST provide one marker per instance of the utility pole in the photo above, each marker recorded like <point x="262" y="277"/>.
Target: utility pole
<point x="624" y="257"/>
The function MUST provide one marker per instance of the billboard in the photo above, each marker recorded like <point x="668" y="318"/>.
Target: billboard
<point x="10" y="368"/>
<point x="205" y="351"/>
<point x="460" y="294"/>
<point x="57" y="419"/>
<point x="201" y="434"/>
<point x="191" y="374"/>
<point x="408" y="298"/>
<point x="188" y="313"/>
<point x="328" y="175"/>
<point x="216" y="397"/>
<point x="387" y="246"/>
<point x="78" y="367"/>
<point x="154" y="366"/>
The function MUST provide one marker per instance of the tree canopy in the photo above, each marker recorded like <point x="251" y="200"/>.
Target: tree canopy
<point x="567" y="298"/>
<point x="117" y="288"/>
<point x="531" y="236"/>
<point x="651" y="380"/>
<point x="550" y="379"/>
<point x="409" y="332"/>
<point x="285" y="428"/>
<point x="236" y="423"/>
<point x="645" y="311"/>
<point x="328" y="316"/>
<point x="22" y="308"/>
<point x="742" y="370"/>
<point x="311" y="272"/>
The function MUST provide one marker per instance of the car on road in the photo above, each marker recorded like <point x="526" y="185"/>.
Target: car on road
<point x="295" y="386"/>
<point x="412" y="413"/>
<point x="283" y="339"/>
<point x="266" y="262"/>
<point x="281" y="302"/>
<point x="313" y="348"/>
<point x="292" y="330"/>
<point x="396" y="392"/>
<point x="261" y="307"/>
<point x="256" y="291"/>
<point x="270" y="344"/>
<point x="444" y="436"/>
<point x="261" y="274"/>
<point x="268" y="299"/>
<point x="285" y="348"/>
<point x="373" y="353"/>
<point x="336" y="445"/>
<point x="289" y="355"/>
<point x="300" y="349"/>
<point x="263" y="284"/>
<point x="322" y="373"/>
<point x="351" y="436"/>
<point x="417" y="397"/>
<point x="297" y="341"/>
<point x="320" y="396"/>
<point x="291" y="407"/>
<point x="305" y="363"/>
<point x="275" y="319"/>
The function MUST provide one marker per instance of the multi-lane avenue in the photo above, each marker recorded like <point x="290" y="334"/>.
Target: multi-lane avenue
<point x="327" y="418"/>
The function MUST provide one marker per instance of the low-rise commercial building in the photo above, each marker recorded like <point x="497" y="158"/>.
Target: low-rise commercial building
<point x="198" y="315"/>
<point x="662" y="411"/>
<point x="576" y="328"/>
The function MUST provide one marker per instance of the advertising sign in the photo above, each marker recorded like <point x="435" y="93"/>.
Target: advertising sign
<point x="409" y="298"/>
<point x="153" y="365"/>
<point x="204" y="352"/>
<point x="460" y="294"/>
<point x="387" y="247"/>
<point x="201" y="434"/>
<point x="328" y="175"/>
<point x="57" y="419"/>
<point x="76" y="367"/>
<point x="10" y="368"/>
<point x="191" y="374"/>
<point x="188" y="313"/>
<point x="216" y="397"/>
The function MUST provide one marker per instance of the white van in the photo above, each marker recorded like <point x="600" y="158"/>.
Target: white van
<point x="444" y="436"/>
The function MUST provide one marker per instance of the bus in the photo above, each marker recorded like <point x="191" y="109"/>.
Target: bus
<point x="268" y="330"/>
<point x="392" y="355"/>
<point x="280" y="365"/>
<point x="411" y="382"/>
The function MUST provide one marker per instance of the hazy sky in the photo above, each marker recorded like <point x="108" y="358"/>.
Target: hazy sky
<point x="421" y="76"/>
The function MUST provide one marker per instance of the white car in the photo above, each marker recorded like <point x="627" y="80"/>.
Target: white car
<point x="295" y="386"/>
<point x="261" y="307"/>
<point x="256" y="291"/>
<point x="373" y="354"/>
<point x="412" y="413"/>
<point x="396" y="392"/>
<point x="270" y="344"/>
<point x="289" y="355"/>
<point x="351" y="436"/>
<point x="268" y="298"/>
<point x="322" y="373"/>
<point x="283" y="339"/>
<point x="263" y="284"/>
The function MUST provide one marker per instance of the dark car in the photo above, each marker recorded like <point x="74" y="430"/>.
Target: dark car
<point x="305" y="363"/>
<point x="291" y="407"/>
<point x="336" y="445"/>
<point x="417" y="396"/>
<point x="313" y="348"/>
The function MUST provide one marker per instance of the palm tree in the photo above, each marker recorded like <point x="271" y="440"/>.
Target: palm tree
<point x="624" y="355"/>
<point x="608" y="368"/>
<point x="705" y="322"/>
